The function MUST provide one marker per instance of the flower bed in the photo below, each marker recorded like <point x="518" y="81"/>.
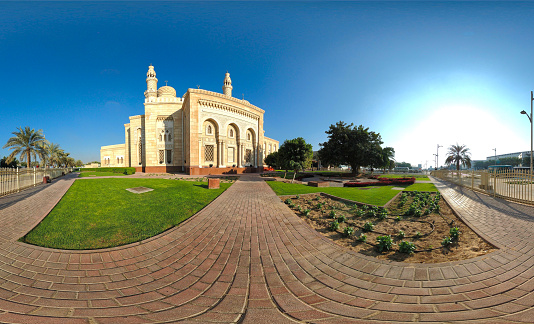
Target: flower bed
<point x="382" y="182"/>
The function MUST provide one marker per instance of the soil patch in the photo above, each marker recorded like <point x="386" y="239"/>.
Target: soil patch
<point x="420" y="218"/>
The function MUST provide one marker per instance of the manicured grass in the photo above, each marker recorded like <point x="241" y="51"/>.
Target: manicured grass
<point x="421" y="177"/>
<point x="84" y="174"/>
<point x="422" y="187"/>
<point x="370" y="195"/>
<point x="100" y="213"/>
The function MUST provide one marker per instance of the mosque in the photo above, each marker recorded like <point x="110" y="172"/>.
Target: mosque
<point x="202" y="132"/>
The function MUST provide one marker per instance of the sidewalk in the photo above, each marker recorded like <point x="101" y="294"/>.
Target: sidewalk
<point x="247" y="258"/>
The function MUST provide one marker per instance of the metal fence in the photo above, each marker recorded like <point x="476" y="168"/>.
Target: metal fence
<point x="516" y="185"/>
<point x="13" y="180"/>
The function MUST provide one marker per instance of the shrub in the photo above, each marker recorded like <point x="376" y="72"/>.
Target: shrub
<point x="368" y="227"/>
<point x="406" y="247"/>
<point x="334" y="226"/>
<point x="333" y="214"/>
<point x="384" y="243"/>
<point x="288" y="201"/>
<point x="342" y="219"/>
<point x="446" y="241"/>
<point x="360" y="213"/>
<point x="401" y="234"/>
<point x="362" y="238"/>
<point x="307" y="212"/>
<point x="455" y="233"/>
<point x="382" y="214"/>
<point x="348" y="231"/>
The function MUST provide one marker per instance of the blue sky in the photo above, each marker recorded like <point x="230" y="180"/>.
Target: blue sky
<point x="419" y="73"/>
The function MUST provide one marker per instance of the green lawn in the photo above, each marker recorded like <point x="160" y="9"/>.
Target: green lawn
<point x="421" y="177"/>
<point x="100" y="213"/>
<point x="84" y="174"/>
<point x="370" y="195"/>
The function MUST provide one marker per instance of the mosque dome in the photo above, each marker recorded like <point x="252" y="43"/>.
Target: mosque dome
<point x="166" y="91"/>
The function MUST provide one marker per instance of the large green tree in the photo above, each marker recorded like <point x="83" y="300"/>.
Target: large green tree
<point x="272" y="160"/>
<point x="388" y="158"/>
<point x="295" y="155"/>
<point x="54" y="154"/>
<point x="28" y="143"/>
<point x="458" y="155"/>
<point x="356" y="146"/>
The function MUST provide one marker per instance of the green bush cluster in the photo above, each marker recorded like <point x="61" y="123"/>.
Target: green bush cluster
<point x="126" y="171"/>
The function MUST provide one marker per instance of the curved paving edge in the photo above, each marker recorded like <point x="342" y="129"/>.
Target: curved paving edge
<point x="247" y="258"/>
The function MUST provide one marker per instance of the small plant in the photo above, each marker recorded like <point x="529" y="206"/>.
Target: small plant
<point x="292" y="205"/>
<point x="307" y="212"/>
<point x="288" y="201"/>
<point x="334" y="226"/>
<point x="317" y="198"/>
<point x="398" y="218"/>
<point x="401" y="234"/>
<point x="360" y="213"/>
<point x="299" y="208"/>
<point x="406" y="247"/>
<point x="362" y="238"/>
<point x="348" y="231"/>
<point x="418" y="234"/>
<point x="368" y="227"/>
<point x="455" y="233"/>
<point x="332" y="214"/>
<point x="298" y="196"/>
<point x="384" y="243"/>
<point x="342" y="219"/>
<point x="382" y="214"/>
<point x="446" y="241"/>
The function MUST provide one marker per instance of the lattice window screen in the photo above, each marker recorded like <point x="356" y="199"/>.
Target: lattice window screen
<point x="208" y="154"/>
<point x="140" y="153"/>
<point x="248" y="156"/>
<point x="169" y="156"/>
<point x="161" y="156"/>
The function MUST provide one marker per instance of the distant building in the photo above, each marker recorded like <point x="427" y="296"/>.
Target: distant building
<point x="520" y="155"/>
<point x="202" y="132"/>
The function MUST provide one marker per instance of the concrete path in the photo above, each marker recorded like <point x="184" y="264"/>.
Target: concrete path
<point x="247" y="258"/>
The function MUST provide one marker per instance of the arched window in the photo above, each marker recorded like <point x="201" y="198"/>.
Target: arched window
<point x="248" y="136"/>
<point x="231" y="133"/>
<point x="209" y="130"/>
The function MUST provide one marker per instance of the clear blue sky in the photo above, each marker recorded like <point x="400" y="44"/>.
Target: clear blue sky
<point x="419" y="73"/>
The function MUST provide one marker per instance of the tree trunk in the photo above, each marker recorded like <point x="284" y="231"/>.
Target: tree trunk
<point x="28" y="158"/>
<point x="294" y="174"/>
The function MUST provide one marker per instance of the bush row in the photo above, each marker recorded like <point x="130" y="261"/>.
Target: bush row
<point x="114" y="170"/>
<point x="382" y="182"/>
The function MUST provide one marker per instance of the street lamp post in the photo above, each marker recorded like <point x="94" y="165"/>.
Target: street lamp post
<point x="437" y="155"/>
<point x="531" y="129"/>
<point x="495" y="150"/>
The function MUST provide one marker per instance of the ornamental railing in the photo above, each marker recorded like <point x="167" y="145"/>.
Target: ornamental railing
<point x="515" y="185"/>
<point x="16" y="179"/>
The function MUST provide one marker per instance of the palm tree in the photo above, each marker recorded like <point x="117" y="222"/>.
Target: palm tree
<point x="458" y="154"/>
<point x="54" y="154"/>
<point x="28" y="143"/>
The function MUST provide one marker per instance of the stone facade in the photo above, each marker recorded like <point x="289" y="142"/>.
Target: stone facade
<point x="203" y="132"/>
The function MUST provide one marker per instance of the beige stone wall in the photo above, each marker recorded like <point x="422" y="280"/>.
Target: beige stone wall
<point x="112" y="156"/>
<point x="270" y="145"/>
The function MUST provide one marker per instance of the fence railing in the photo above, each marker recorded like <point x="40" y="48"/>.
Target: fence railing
<point x="516" y="185"/>
<point x="13" y="180"/>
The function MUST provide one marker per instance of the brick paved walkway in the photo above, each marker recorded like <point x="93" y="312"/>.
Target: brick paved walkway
<point x="247" y="258"/>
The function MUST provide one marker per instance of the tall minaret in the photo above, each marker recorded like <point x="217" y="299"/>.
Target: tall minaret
<point x="151" y="83"/>
<point x="227" y="87"/>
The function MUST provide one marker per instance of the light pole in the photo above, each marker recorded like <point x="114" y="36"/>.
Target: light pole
<point x="437" y="156"/>
<point x="436" y="160"/>
<point x="495" y="149"/>
<point x="531" y="131"/>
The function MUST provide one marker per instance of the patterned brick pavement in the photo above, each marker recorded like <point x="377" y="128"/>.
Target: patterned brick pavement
<point x="247" y="258"/>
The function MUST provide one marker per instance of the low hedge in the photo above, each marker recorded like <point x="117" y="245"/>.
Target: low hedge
<point x="382" y="182"/>
<point x="114" y="170"/>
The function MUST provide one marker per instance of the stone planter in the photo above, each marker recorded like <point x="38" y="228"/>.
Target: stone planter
<point x="213" y="183"/>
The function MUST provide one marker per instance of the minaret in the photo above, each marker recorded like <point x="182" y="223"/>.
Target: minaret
<point x="227" y="87"/>
<point x="151" y="83"/>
